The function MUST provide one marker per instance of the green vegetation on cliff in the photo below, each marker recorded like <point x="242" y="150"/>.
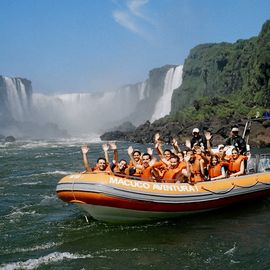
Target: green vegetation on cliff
<point x="225" y="80"/>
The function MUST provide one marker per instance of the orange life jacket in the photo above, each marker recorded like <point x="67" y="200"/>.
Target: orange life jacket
<point x="146" y="173"/>
<point x="215" y="171"/>
<point x="107" y="169"/>
<point x="138" y="171"/>
<point x="117" y="170"/>
<point x="170" y="175"/>
<point x="235" y="164"/>
<point x="196" y="174"/>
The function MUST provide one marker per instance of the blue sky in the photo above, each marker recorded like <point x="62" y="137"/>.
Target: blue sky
<point x="66" y="46"/>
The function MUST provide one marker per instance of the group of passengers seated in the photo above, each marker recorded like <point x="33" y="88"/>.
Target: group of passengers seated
<point x="198" y="162"/>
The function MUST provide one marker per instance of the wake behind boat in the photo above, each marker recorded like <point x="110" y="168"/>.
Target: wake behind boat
<point x="111" y="198"/>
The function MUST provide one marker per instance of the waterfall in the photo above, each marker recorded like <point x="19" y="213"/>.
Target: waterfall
<point x="17" y="100"/>
<point x="172" y="81"/>
<point x="85" y="112"/>
<point x="142" y="92"/>
<point x="78" y="113"/>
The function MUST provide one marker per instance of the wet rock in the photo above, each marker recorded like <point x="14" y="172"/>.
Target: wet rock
<point x="258" y="135"/>
<point x="10" y="139"/>
<point x="114" y="136"/>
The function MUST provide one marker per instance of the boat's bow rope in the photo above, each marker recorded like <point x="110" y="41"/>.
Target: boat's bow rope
<point x="234" y="186"/>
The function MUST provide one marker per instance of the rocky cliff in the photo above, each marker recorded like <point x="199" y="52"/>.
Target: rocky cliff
<point x="236" y="76"/>
<point x="223" y="84"/>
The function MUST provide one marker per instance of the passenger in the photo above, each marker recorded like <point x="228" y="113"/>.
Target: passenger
<point x="237" y="141"/>
<point x="167" y="154"/>
<point x="176" y="171"/>
<point x="216" y="169"/>
<point x="221" y="148"/>
<point x="181" y="156"/>
<point x="134" y="161"/>
<point x="144" y="169"/>
<point x="236" y="164"/>
<point x="158" y="145"/>
<point x="198" y="139"/>
<point x="221" y="152"/>
<point x="163" y="164"/>
<point x="196" y="168"/>
<point x="118" y="167"/>
<point x="105" y="148"/>
<point x="101" y="166"/>
<point x="175" y="146"/>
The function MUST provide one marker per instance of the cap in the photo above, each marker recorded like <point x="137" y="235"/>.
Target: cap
<point x="220" y="146"/>
<point x="195" y="130"/>
<point x="235" y="129"/>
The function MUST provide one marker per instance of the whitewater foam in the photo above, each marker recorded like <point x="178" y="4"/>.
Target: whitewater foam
<point x="34" y="248"/>
<point x="45" y="260"/>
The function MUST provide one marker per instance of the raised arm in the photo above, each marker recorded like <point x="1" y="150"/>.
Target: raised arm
<point x="208" y="137"/>
<point x="115" y="152"/>
<point x="202" y="166"/>
<point x="158" y="145"/>
<point x="85" y="150"/>
<point x="175" y="146"/>
<point x="130" y="153"/>
<point x="105" y="148"/>
<point x="188" y="144"/>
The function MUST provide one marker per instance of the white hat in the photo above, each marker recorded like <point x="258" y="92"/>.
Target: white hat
<point x="235" y="129"/>
<point x="220" y="146"/>
<point x="195" y="130"/>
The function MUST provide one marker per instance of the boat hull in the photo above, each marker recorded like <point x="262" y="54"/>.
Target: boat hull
<point x="114" y="199"/>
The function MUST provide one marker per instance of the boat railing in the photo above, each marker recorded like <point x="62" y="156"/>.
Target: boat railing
<point x="258" y="163"/>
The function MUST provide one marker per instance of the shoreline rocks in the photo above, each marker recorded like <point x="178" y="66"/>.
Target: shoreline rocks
<point x="259" y="133"/>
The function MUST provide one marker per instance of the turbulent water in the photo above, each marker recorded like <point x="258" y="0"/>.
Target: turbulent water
<point x="38" y="231"/>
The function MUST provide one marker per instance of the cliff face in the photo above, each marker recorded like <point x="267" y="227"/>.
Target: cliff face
<point x="238" y="72"/>
<point x="151" y="91"/>
<point x="223" y="84"/>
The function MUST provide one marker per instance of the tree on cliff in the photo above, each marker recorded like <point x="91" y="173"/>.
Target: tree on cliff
<point x="237" y="75"/>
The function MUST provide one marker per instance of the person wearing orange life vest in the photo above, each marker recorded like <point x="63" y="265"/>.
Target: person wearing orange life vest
<point x="196" y="168"/>
<point x="101" y="166"/>
<point x="221" y="148"/>
<point x="118" y="167"/>
<point x="216" y="169"/>
<point x="145" y="168"/>
<point x="135" y="160"/>
<point x="158" y="146"/>
<point x="175" y="171"/>
<point x="236" y="164"/>
<point x="162" y="165"/>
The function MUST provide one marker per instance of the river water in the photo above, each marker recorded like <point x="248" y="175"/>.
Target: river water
<point x="38" y="231"/>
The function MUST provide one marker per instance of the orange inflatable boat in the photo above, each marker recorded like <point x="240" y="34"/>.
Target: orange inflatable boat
<point x="115" y="199"/>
